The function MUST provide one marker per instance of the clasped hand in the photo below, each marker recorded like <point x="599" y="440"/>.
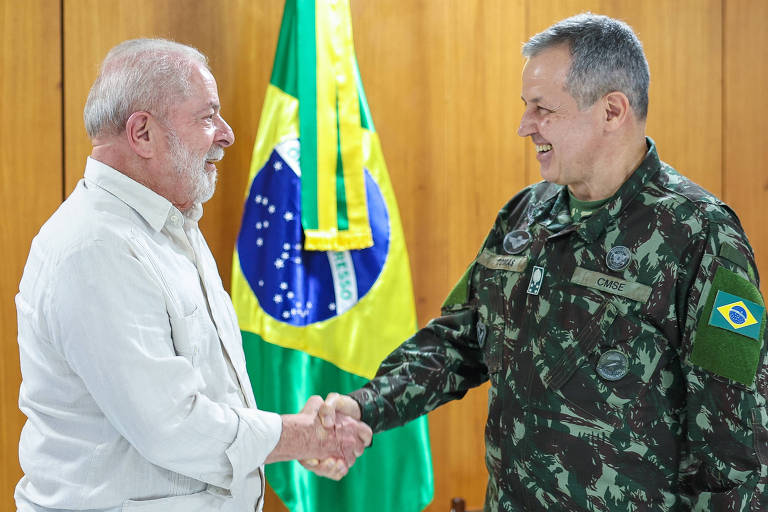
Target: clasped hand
<point x="339" y="416"/>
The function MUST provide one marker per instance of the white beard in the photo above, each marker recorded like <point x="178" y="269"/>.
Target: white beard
<point x="190" y="168"/>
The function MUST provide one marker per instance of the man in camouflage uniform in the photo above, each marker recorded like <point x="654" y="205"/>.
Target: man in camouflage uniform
<point x="614" y="308"/>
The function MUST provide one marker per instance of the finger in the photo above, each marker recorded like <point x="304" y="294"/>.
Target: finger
<point x="344" y="404"/>
<point x="327" y="415"/>
<point x="329" y="468"/>
<point x="348" y="441"/>
<point x="340" y="470"/>
<point x="365" y="434"/>
<point x="313" y="404"/>
<point x="361" y="431"/>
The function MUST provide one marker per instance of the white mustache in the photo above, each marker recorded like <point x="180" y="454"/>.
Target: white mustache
<point x="215" y="154"/>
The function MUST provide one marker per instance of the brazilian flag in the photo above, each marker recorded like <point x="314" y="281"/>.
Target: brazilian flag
<point x="321" y="283"/>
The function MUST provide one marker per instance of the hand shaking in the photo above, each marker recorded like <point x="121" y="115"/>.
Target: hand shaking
<point x="336" y="410"/>
<point x="327" y="437"/>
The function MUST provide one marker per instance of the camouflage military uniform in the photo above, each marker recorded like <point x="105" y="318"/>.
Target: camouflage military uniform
<point x="652" y="425"/>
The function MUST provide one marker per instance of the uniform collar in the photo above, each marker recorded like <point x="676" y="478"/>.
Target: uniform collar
<point x="555" y="204"/>
<point x="152" y="207"/>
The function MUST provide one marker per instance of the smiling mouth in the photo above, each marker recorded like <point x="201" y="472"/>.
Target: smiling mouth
<point x="543" y="148"/>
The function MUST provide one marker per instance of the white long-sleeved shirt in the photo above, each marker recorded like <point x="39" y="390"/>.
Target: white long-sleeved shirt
<point x="134" y="378"/>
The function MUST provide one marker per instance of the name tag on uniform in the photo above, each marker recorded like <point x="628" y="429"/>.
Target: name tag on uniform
<point x="503" y="261"/>
<point x="610" y="284"/>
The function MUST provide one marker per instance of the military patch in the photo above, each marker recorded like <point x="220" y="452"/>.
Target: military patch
<point x="516" y="241"/>
<point x="613" y="365"/>
<point x="482" y="331"/>
<point x="537" y="276"/>
<point x="603" y="282"/>
<point x="738" y="315"/>
<point x="502" y="261"/>
<point x="618" y="258"/>
<point x="460" y="293"/>
<point x="730" y="330"/>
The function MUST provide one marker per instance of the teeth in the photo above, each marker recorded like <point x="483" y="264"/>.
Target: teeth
<point x="543" y="147"/>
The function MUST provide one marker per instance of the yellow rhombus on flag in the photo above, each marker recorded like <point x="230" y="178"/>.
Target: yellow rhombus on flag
<point x="320" y="281"/>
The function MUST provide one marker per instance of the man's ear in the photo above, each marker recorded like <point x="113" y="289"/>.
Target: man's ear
<point x="617" y="109"/>
<point x="142" y="132"/>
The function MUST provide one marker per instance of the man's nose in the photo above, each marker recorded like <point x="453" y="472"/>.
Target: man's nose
<point x="224" y="134"/>
<point x="527" y="126"/>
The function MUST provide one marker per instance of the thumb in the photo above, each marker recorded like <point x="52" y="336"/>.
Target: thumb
<point x="313" y="405"/>
<point x="343" y="404"/>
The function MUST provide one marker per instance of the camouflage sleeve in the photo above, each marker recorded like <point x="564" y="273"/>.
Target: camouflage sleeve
<point x="724" y="361"/>
<point x="441" y="362"/>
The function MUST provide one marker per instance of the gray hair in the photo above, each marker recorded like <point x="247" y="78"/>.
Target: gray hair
<point x="139" y="75"/>
<point x="606" y="56"/>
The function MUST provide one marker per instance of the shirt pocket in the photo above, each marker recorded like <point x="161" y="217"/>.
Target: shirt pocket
<point x="202" y="501"/>
<point x="606" y="389"/>
<point x="491" y="286"/>
<point x="187" y="333"/>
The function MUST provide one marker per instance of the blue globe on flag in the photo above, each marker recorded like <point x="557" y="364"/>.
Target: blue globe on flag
<point x="292" y="285"/>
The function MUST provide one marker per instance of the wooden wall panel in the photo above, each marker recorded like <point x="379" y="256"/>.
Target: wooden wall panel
<point x="30" y="184"/>
<point x="239" y="39"/>
<point x="442" y="79"/>
<point x="682" y="42"/>
<point x="745" y="105"/>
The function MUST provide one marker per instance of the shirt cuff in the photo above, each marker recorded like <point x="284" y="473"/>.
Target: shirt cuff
<point x="257" y="435"/>
<point x="369" y="411"/>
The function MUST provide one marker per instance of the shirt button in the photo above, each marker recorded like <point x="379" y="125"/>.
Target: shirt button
<point x="175" y="218"/>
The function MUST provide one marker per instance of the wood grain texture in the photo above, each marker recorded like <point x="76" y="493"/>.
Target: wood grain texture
<point x="683" y="45"/>
<point x="443" y="83"/>
<point x="30" y="184"/>
<point x="442" y="80"/>
<point x="745" y="107"/>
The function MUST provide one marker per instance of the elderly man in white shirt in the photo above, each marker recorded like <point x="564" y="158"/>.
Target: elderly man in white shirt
<point x="134" y="379"/>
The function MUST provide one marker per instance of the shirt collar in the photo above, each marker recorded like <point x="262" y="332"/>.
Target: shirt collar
<point x="154" y="208"/>
<point x="591" y="228"/>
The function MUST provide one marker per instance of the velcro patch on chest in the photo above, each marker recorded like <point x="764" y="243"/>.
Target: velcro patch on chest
<point x="729" y="335"/>
<point x="610" y="284"/>
<point x="503" y="261"/>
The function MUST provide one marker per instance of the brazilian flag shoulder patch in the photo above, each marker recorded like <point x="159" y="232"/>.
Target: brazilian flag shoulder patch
<point x="732" y="313"/>
<point x="729" y="335"/>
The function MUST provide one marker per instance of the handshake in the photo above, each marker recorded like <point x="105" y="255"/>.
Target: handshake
<point x="326" y="437"/>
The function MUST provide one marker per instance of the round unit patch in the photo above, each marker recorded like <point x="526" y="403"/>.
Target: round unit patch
<point x="612" y="365"/>
<point x="618" y="258"/>
<point x="517" y="241"/>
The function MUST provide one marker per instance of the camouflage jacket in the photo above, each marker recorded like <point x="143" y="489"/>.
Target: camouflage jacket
<point x="616" y="383"/>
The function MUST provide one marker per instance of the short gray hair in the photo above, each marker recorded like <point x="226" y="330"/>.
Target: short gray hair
<point x="606" y="56"/>
<point x="139" y="75"/>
